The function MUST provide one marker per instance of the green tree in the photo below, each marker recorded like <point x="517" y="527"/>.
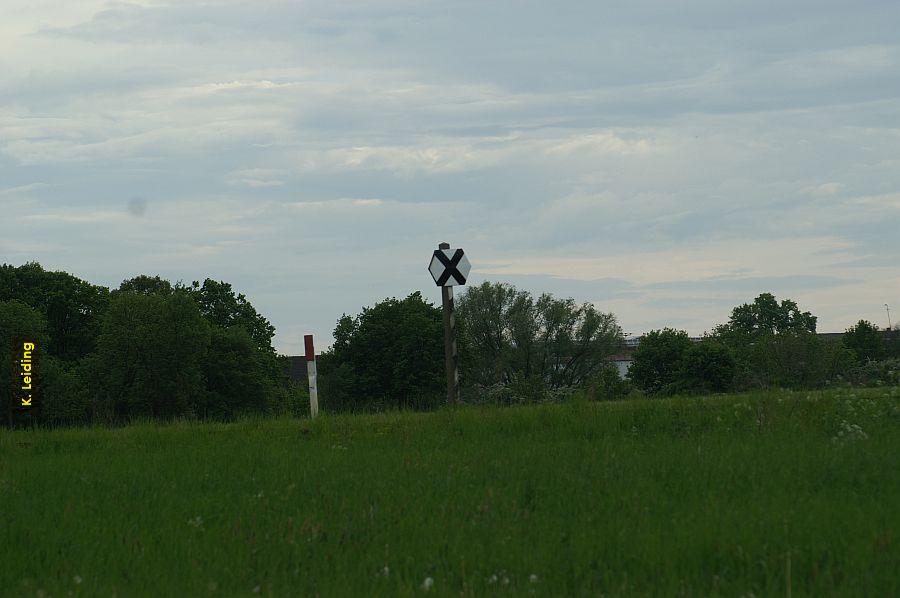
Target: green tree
<point x="866" y="341"/>
<point x="486" y="323"/>
<point x="766" y="316"/>
<point x="71" y="306"/>
<point x="507" y="335"/>
<point x="147" y="285"/>
<point x="658" y="360"/>
<point x="795" y="360"/>
<point x="220" y="306"/>
<point x="775" y="344"/>
<point x="707" y="366"/>
<point x="607" y="385"/>
<point x="240" y="378"/>
<point x="391" y="354"/>
<point x="150" y="357"/>
<point x="19" y="321"/>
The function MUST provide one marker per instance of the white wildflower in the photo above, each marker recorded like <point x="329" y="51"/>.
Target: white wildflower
<point x="427" y="584"/>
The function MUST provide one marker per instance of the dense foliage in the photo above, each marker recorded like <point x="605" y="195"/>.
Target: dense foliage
<point x="764" y="344"/>
<point x="508" y="335"/>
<point x="512" y="348"/>
<point x="658" y="360"/>
<point x="866" y="341"/>
<point x="390" y="355"/>
<point x="154" y="349"/>
<point x="149" y="349"/>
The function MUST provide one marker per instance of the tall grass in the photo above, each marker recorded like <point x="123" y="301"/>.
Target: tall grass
<point x="763" y="494"/>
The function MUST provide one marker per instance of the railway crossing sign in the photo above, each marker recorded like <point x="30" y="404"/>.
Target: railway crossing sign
<point x="449" y="267"/>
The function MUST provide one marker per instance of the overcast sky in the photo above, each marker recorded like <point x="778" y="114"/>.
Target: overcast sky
<point x="663" y="160"/>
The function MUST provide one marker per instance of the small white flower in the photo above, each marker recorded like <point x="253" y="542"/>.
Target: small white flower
<point x="427" y="584"/>
<point x="492" y="578"/>
<point x="386" y="571"/>
<point x="533" y="578"/>
<point x="256" y="590"/>
<point x="77" y="579"/>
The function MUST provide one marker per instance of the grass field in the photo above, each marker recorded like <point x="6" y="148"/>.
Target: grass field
<point x="762" y="494"/>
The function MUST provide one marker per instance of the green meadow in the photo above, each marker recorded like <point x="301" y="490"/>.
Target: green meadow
<point x="761" y="494"/>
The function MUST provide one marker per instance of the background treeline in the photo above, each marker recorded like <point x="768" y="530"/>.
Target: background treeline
<point x="149" y="349"/>
<point x="513" y="347"/>
<point x="153" y="349"/>
<point x="765" y="344"/>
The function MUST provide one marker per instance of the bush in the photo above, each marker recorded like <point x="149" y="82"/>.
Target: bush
<point x="796" y="360"/>
<point x="65" y="399"/>
<point x="706" y="367"/>
<point x="875" y="373"/>
<point x="607" y="385"/>
<point x="506" y="333"/>
<point x="290" y="399"/>
<point x="866" y="341"/>
<point x="150" y="357"/>
<point x="390" y="355"/>
<point x="240" y="377"/>
<point x="19" y="321"/>
<point x="657" y="360"/>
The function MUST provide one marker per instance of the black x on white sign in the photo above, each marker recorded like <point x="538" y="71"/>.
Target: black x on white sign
<point x="449" y="267"/>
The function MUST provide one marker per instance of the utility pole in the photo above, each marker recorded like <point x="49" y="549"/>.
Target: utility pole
<point x="888" y="309"/>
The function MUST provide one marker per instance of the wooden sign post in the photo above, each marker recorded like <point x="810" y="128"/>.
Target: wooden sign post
<point x="449" y="268"/>
<point x="451" y="358"/>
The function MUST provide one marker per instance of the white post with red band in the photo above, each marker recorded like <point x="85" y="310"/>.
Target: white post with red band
<point x="311" y="373"/>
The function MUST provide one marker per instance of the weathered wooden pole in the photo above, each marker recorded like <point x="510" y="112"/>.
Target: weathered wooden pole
<point x="451" y="358"/>
<point x="448" y="269"/>
<point x="311" y="375"/>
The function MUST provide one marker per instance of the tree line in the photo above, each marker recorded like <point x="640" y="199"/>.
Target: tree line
<point x="515" y="347"/>
<point x="766" y="343"/>
<point x="155" y="349"/>
<point x="148" y="349"/>
<point x="512" y="347"/>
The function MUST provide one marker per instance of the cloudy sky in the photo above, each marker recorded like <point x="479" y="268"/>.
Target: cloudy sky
<point x="664" y="160"/>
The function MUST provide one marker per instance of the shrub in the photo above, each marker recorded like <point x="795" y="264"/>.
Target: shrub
<point x="65" y="399"/>
<point x="706" y="367"/>
<point x="865" y="340"/>
<point x="657" y="360"/>
<point x="389" y="355"/>
<point x="875" y="373"/>
<point x="607" y="385"/>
